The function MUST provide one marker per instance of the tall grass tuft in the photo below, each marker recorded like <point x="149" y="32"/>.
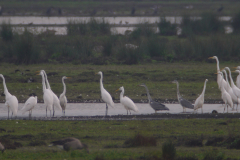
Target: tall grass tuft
<point x="92" y="27"/>
<point x="213" y="154"/>
<point x="168" y="150"/>
<point x="207" y="24"/>
<point x="6" y="31"/>
<point x="26" y="50"/>
<point x="236" y="23"/>
<point x="166" y="28"/>
<point x="143" y="29"/>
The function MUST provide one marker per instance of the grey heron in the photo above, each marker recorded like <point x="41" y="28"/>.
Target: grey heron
<point x="70" y="143"/>
<point x="2" y="148"/>
<point x="183" y="102"/>
<point x="155" y="105"/>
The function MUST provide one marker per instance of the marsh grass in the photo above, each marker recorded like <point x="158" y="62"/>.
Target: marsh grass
<point x="98" y="134"/>
<point x="6" y="31"/>
<point x="166" y="28"/>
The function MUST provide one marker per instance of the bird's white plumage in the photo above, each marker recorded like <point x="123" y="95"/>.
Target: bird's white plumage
<point x="235" y="89"/>
<point x="11" y="100"/>
<point x="127" y="102"/>
<point x="62" y="97"/>
<point x="220" y="80"/>
<point x="226" y="97"/>
<point x="29" y="104"/>
<point x="47" y="95"/>
<point x="106" y="97"/>
<point x="56" y="101"/>
<point x="238" y="77"/>
<point x="200" y="100"/>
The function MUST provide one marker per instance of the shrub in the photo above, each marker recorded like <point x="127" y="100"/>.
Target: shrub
<point x="140" y="140"/>
<point x="236" y="23"/>
<point x="166" y="28"/>
<point x="213" y="155"/>
<point x="26" y="49"/>
<point x="168" y="150"/>
<point x="143" y="29"/>
<point x="6" y="31"/>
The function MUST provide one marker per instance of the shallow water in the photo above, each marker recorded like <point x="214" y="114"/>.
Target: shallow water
<point x="95" y="109"/>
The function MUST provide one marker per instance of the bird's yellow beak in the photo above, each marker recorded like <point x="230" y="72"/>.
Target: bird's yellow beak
<point x="234" y="67"/>
<point x="69" y="77"/>
<point x="117" y="90"/>
<point x="38" y="74"/>
<point x="215" y="73"/>
<point x="233" y="71"/>
<point x="222" y="69"/>
<point x="210" y="58"/>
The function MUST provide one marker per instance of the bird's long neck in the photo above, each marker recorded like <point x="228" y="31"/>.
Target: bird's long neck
<point x="47" y="83"/>
<point x="218" y="69"/>
<point x="148" y="95"/>
<point x="204" y="88"/>
<point x="43" y="82"/>
<point x="226" y="78"/>
<point x="121" y="94"/>
<point x="5" y="87"/>
<point x="64" y="86"/>
<point x="230" y="76"/>
<point x="101" y="83"/>
<point x="178" y="93"/>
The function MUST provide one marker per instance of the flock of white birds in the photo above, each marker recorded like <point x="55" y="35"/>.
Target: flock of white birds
<point x="230" y="95"/>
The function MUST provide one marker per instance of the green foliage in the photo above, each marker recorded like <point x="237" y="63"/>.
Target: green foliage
<point x="143" y="29"/>
<point x="207" y="24"/>
<point x="140" y="140"/>
<point x="213" y="154"/>
<point x="166" y="28"/>
<point x="6" y="31"/>
<point x="26" y="50"/>
<point x="92" y="27"/>
<point x="168" y="150"/>
<point x="236" y="23"/>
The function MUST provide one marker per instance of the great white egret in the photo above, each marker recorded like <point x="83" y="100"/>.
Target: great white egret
<point x="30" y="104"/>
<point x="229" y="89"/>
<point x="238" y="77"/>
<point x="235" y="89"/>
<point x="47" y="95"/>
<point x="62" y="97"/>
<point x="70" y="143"/>
<point x="56" y="101"/>
<point x="183" y="102"/>
<point x="2" y="148"/>
<point x="106" y="97"/>
<point x="219" y="77"/>
<point x="127" y="102"/>
<point x="200" y="100"/>
<point x="11" y="100"/>
<point x="155" y="105"/>
<point x="227" y="99"/>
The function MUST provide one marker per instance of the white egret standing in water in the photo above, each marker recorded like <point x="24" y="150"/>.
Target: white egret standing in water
<point x="62" y="97"/>
<point x="127" y="102"/>
<point x="47" y="95"/>
<point x="11" y="100"/>
<point x="200" y="100"/>
<point x="106" y="97"/>
<point x="30" y="104"/>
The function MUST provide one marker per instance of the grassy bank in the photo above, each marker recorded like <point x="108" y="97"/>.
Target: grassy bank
<point x="156" y="76"/>
<point x="106" y="139"/>
<point x="116" y="8"/>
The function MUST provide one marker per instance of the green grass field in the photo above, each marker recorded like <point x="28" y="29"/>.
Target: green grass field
<point x="157" y="77"/>
<point x="105" y="139"/>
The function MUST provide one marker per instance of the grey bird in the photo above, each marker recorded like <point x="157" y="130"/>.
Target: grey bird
<point x="183" y="102"/>
<point x="155" y="105"/>
<point x="2" y="148"/>
<point x="70" y="143"/>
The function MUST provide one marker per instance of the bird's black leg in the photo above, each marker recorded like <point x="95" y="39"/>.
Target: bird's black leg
<point x="106" y="110"/>
<point x="64" y="112"/>
<point x="53" y="111"/>
<point x="127" y="112"/>
<point x="46" y="111"/>
<point x="130" y="112"/>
